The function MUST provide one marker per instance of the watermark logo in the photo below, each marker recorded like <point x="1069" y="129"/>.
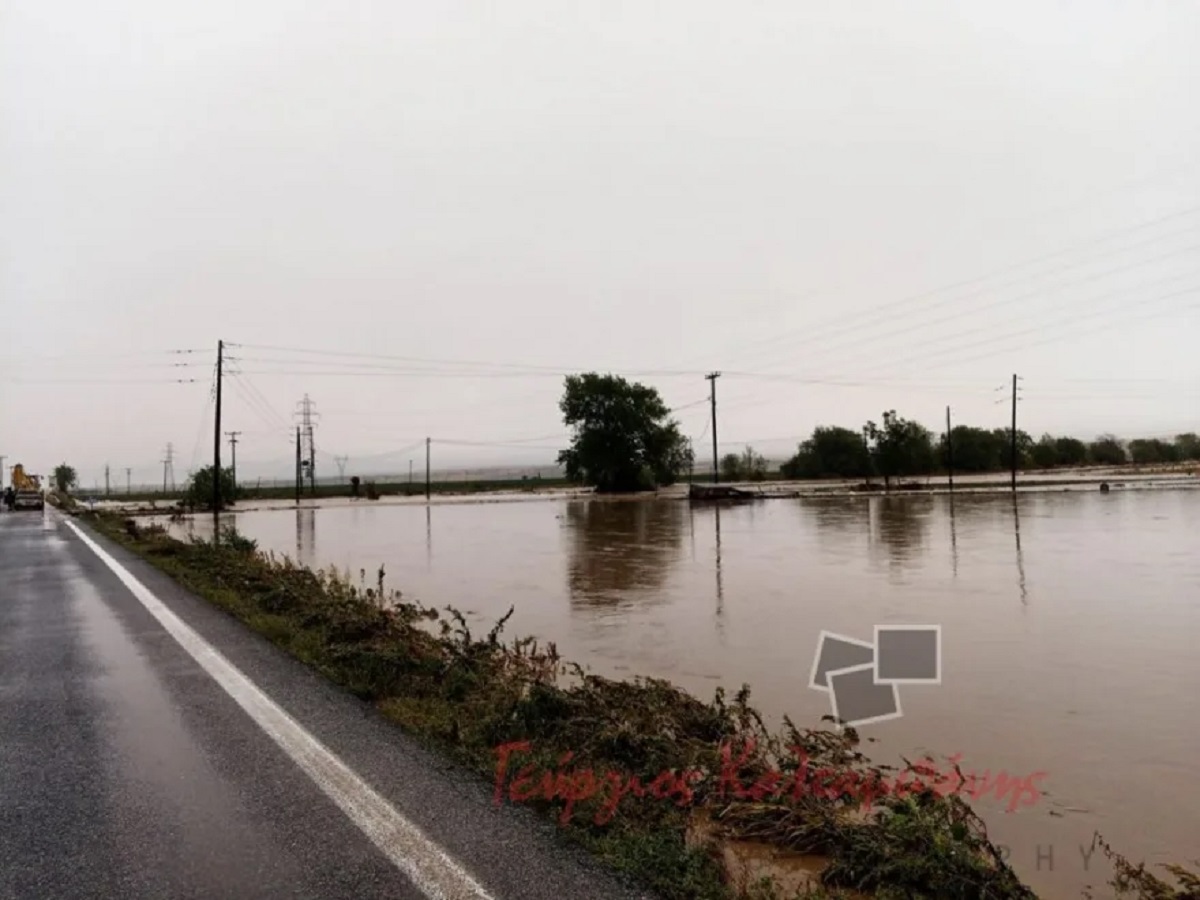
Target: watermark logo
<point x="577" y="784"/>
<point x="863" y="679"/>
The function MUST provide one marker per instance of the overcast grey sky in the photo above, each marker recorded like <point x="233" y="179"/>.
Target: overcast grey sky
<point x="882" y="205"/>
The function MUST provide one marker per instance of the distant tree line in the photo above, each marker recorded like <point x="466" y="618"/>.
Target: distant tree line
<point x="899" y="448"/>
<point x="625" y="440"/>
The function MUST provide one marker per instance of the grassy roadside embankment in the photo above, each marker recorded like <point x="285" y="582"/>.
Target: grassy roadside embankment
<point x="468" y="696"/>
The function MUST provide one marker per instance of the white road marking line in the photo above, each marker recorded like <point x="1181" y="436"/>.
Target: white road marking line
<point x="425" y="863"/>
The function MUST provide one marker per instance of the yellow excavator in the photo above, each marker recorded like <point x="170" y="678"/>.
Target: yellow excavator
<point x="26" y="490"/>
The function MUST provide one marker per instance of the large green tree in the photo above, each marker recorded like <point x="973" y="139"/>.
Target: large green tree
<point x="1187" y="446"/>
<point x="831" y="452"/>
<point x="1003" y="436"/>
<point x="731" y="467"/>
<point x="1071" y="451"/>
<point x="65" y="478"/>
<point x="1148" y="451"/>
<point x="1045" y="452"/>
<point x="900" y="447"/>
<point x="623" y="440"/>
<point x="1107" y="450"/>
<point x="975" y="449"/>
<point x="199" y="490"/>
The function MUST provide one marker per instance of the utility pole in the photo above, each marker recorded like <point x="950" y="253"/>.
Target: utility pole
<point x="233" y="441"/>
<point x="1013" y="436"/>
<point x="426" y="470"/>
<point x="712" y="379"/>
<point x="2" y="459"/>
<point x="410" y="471"/>
<point x="107" y="491"/>
<point x="297" y="465"/>
<point x="949" y="450"/>
<point x="128" y="481"/>
<point x="216" y="475"/>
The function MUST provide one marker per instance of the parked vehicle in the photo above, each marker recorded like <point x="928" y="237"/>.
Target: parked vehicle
<point x="29" y="500"/>
<point x="26" y="490"/>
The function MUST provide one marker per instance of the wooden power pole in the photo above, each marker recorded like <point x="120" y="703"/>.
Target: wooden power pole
<point x="1013" y="436"/>
<point x="712" y="396"/>
<point x="216" y="475"/>
<point x="949" y="450"/>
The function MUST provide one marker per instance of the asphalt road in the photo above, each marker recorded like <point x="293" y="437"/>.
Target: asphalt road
<point x="136" y="762"/>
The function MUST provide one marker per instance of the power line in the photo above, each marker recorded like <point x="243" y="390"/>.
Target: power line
<point x="970" y="310"/>
<point x="261" y="408"/>
<point x="1116" y="233"/>
<point x="468" y="368"/>
<point x="158" y="381"/>
<point x="510" y="444"/>
<point x="385" y="372"/>
<point x="858" y="318"/>
<point x="1072" y="333"/>
<point x="889" y="382"/>
<point x="202" y="432"/>
<point x="688" y="405"/>
<point x="408" y="448"/>
<point x="524" y="368"/>
<point x="952" y="344"/>
<point x="272" y="427"/>
<point x="509" y="398"/>
<point x="234" y="371"/>
<point x="101" y="356"/>
<point x="262" y="400"/>
<point x="778" y="376"/>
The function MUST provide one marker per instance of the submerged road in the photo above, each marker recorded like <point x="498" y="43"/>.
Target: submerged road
<point x="153" y="747"/>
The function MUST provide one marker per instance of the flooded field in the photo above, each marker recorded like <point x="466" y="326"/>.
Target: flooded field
<point x="1070" y="623"/>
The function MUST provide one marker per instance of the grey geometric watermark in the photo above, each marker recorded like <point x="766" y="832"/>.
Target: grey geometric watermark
<point x="863" y="679"/>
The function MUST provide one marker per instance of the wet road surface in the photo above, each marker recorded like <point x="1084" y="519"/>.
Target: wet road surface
<point x="135" y="764"/>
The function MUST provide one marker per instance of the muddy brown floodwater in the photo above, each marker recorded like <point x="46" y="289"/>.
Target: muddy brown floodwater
<point x="1070" y="626"/>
